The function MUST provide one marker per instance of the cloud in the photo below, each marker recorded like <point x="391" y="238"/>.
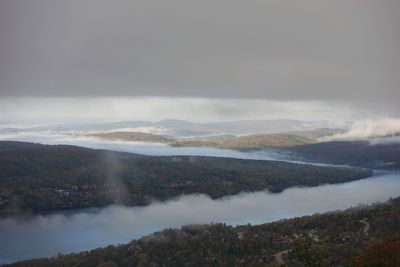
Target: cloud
<point x="277" y="50"/>
<point x="365" y="129"/>
<point x="34" y="109"/>
<point x="385" y="140"/>
<point x="150" y="130"/>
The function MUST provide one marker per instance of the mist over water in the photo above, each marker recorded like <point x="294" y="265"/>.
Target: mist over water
<point x="73" y="231"/>
<point x="249" y="66"/>
<point x="152" y="149"/>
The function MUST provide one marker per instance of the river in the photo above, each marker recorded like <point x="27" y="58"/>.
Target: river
<point x="26" y="237"/>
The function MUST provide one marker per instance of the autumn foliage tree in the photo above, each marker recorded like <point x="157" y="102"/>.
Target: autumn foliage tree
<point x="383" y="254"/>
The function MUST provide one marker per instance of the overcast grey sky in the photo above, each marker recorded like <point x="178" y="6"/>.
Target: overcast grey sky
<point x="319" y="58"/>
<point x="345" y="51"/>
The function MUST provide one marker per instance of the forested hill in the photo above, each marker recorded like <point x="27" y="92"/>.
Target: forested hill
<point x="251" y="141"/>
<point x="48" y="177"/>
<point x="353" y="153"/>
<point x="359" y="237"/>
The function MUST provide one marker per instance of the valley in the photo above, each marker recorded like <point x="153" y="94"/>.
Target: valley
<point x="199" y="133"/>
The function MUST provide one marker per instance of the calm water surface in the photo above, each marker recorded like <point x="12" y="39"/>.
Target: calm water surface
<point x="47" y="235"/>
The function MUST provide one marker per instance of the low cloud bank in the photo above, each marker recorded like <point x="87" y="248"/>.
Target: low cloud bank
<point x="366" y="129"/>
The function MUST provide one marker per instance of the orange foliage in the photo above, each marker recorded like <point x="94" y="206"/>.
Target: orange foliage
<point x="383" y="254"/>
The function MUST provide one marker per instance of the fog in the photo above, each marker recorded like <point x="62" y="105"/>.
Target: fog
<point x="365" y="129"/>
<point x="114" y="179"/>
<point x="385" y="140"/>
<point x="47" y="235"/>
<point x="198" y="109"/>
<point x="101" y="61"/>
<point x="151" y="149"/>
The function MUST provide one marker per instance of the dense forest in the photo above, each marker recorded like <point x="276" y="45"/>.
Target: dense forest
<point x="226" y="141"/>
<point x="353" y="153"/>
<point x="46" y="177"/>
<point x="302" y="145"/>
<point x="365" y="236"/>
<point x="246" y="141"/>
<point x="134" y="137"/>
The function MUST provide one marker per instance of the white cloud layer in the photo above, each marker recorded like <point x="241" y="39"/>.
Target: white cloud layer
<point x="365" y="129"/>
<point x="33" y="109"/>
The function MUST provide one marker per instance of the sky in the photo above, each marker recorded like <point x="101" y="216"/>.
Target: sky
<point x="106" y="109"/>
<point x="314" y="53"/>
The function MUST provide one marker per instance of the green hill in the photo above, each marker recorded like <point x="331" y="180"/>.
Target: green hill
<point x="48" y="177"/>
<point x="252" y="141"/>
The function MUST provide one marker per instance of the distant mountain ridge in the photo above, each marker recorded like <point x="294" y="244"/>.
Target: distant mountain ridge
<point x="181" y="128"/>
